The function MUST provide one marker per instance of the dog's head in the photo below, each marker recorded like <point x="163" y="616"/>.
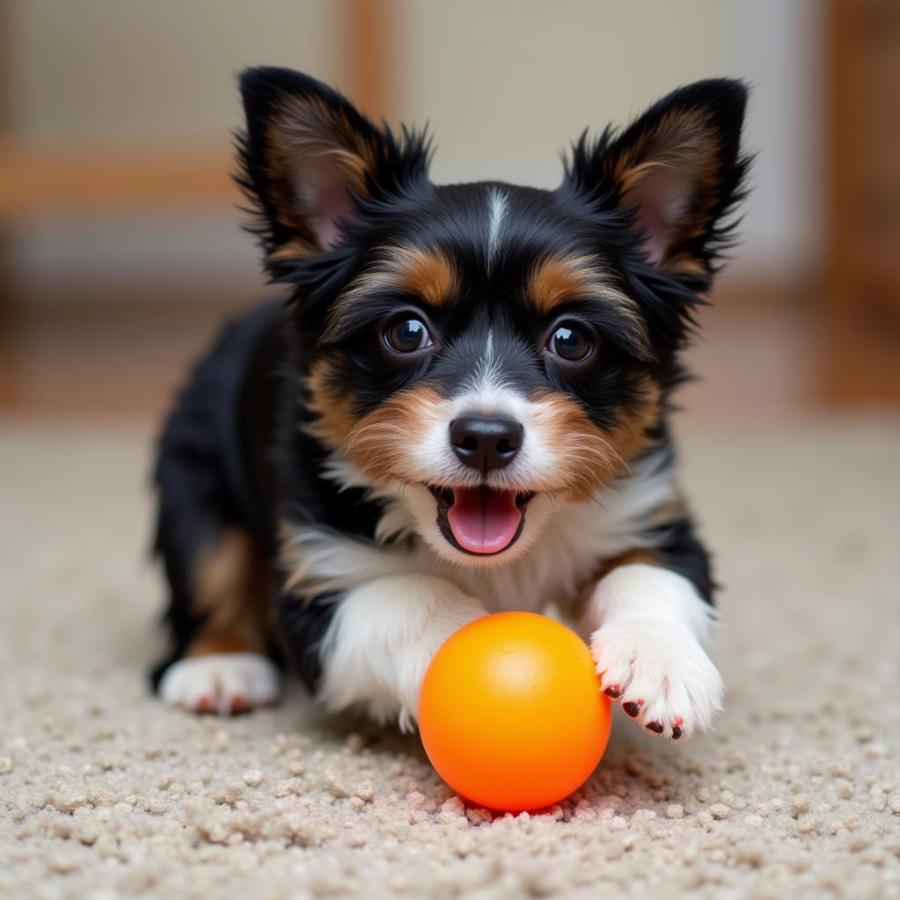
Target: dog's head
<point x="485" y="351"/>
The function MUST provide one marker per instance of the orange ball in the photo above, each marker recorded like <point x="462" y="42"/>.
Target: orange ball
<point x="511" y="713"/>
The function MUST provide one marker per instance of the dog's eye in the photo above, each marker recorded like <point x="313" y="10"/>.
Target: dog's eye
<point x="407" y="335"/>
<point x="570" y="342"/>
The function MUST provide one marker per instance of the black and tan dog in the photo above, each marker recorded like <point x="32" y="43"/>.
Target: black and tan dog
<point x="462" y="409"/>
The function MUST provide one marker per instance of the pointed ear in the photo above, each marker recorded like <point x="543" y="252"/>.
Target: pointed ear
<point x="678" y="168"/>
<point x="306" y="154"/>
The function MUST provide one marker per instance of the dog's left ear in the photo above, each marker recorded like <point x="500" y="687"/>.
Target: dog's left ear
<point x="307" y="156"/>
<point x="679" y="169"/>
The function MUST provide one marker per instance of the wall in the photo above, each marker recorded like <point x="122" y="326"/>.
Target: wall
<point x="505" y="84"/>
<point x="119" y="69"/>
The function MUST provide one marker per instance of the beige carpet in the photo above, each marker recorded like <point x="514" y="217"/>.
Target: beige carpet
<point x="105" y="793"/>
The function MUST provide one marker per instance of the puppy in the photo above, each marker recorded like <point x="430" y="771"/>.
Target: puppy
<point x="462" y="408"/>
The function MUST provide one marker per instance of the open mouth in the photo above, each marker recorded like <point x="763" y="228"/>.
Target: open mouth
<point x="481" y="520"/>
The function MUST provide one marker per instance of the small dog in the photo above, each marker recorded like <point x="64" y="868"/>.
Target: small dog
<point x="462" y="409"/>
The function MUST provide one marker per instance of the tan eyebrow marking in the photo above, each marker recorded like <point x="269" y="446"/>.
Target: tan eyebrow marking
<point x="560" y="277"/>
<point x="426" y="272"/>
<point x="557" y="278"/>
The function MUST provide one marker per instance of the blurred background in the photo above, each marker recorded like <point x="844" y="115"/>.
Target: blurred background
<point x="120" y="241"/>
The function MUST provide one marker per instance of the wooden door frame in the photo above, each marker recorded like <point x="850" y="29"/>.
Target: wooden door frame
<point x="859" y="361"/>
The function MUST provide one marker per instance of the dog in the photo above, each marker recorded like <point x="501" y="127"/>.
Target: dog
<point x="462" y="407"/>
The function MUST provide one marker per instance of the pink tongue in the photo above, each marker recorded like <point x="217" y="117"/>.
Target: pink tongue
<point x="484" y="520"/>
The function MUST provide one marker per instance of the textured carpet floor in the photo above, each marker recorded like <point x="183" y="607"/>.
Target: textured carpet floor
<point x="105" y="793"/>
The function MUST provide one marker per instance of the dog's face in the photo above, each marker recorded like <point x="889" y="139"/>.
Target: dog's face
<point x="486" y="352"/>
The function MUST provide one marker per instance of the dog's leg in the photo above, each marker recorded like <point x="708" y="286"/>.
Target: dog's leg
<point x="219" y="579"/>
<point x="647" y="625"/>
<point x="380" y="640"/>
<point x="223" y="667"/>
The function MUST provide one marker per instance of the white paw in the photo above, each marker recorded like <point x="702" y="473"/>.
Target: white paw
<point x="223" y="683"/>
<point x="662" y="677"/>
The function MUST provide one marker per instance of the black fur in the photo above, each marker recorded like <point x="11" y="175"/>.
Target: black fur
<point x="234" y="451"/>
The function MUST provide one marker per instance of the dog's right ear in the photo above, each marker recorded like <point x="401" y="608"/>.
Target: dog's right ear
<point x="307" y="155"/>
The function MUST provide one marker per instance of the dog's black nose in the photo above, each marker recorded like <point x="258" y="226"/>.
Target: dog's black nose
<point x="485" y="442"/>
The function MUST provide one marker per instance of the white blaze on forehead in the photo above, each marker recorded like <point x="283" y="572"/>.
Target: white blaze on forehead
<point x="489" y="346"/>
<point x="485" y="369"/>
<point x="497" y="203"/>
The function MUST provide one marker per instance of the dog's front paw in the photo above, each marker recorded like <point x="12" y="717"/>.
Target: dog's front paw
<point x="223" y="683"/>
<point x="664" y="680"/>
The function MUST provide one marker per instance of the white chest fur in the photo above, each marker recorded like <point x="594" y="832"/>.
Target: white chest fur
<point x="575" y="540"/>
